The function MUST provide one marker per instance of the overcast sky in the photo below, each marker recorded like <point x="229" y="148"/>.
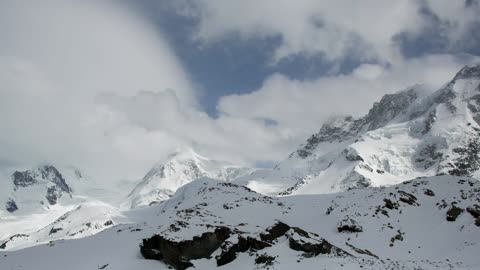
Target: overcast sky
<point x="112" y="87"/>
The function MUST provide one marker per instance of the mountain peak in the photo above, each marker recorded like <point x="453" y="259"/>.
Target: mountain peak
<point x="181" y="167"/>
<point x="469" y="71"/>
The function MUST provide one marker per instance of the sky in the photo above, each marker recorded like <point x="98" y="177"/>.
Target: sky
<point x="113" y="87"/>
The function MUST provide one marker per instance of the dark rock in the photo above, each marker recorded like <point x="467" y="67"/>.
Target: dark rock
<point x="52" y="174"/>
<point x="46" y="173"/>
<point x="53" y="195"/>
<point x="54" y="230"/>
<point x="469" y="158"/>
<point x="179" y="254"/>
<point x="407" y="198"/>
<point x="397" y="237"/>
<point x="446" y="96"/>
<point x="274" y="232"/>
<point x="11" y="205"/>
<point x="428" y="192"/>
<point x="453" y="213"/>
<point x="477" y="222"/>
<point x="349" y="225"/>
<point x="389" y="107"/>
<point x="108" y="223"/>
<point x="472" y="71"/>
<point x="362" y="251"/>
<point x="315" y="247"/>
<point x="103" y="266"/>
<point x="389" y="204"/>
<point x="230" y="251"/>
<point x="429" y="121"/>
<point x="340" y="130"/>
<point x="4" y="244"/>
<point x="474" y="210"/>
<point x="23" y="179"/>
<point x="352" y="156"/>
<point x="265" y="259"/>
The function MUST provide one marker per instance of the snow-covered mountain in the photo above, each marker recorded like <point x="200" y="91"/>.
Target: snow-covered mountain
<point x="42" y="187"/>
<point x="427" y="223"/>
<point x="405" y="135"/>
<point x="179" y="169"/>
<point x="47" y="202"/>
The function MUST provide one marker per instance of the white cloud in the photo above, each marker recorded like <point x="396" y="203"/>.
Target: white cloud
<point x="304" y="105"/>
<point x="55" y="58"/>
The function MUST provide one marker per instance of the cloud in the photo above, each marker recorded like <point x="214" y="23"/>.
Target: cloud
<point x="237" y="139"/>
<point x="304" y="105"/>
<point x="56" y="57"/>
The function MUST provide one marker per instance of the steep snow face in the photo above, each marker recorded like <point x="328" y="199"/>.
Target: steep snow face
<point x="180" y="168"/>
<point x="427" y="223"/>
<point x="405" y="135"/>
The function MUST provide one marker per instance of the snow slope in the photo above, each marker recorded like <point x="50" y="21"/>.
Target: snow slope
<point x="405" y="135"/>
<point x="399" y="227"/>
<point x="36" y="200"/>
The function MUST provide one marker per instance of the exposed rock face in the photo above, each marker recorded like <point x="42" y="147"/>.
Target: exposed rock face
<point x="179" y="254"/>
<point x="244" y="244"/>
<point x="469" y="160"/>
<point x="51" y="173"/>
<point x="334" y="131"/>
<point x="389" y="107"/>
<point x="24" y="179"/>
<point x="44" y="173"/>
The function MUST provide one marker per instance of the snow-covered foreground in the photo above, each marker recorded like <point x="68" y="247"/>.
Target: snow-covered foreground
<point x="398" y="227"/>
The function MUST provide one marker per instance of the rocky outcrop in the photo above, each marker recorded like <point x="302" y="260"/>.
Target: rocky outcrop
<point x="407" y="198"/>
<point x="11" y="205"/>
<point x="23" y="179"/>
<point x="474" y="210"/>
<point x="453" y="213"/>
<point x="349" y="225"/>
<point x="178" y="254"/>
<point x="243" y="244"/>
